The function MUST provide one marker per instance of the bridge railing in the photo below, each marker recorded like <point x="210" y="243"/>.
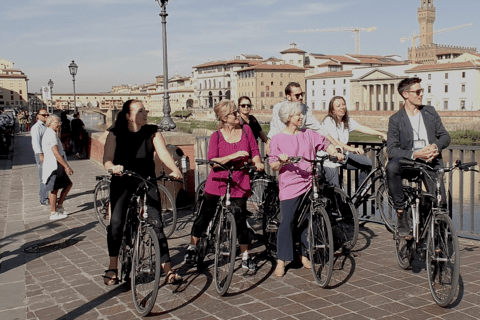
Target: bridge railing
<point x="462" y="188"/>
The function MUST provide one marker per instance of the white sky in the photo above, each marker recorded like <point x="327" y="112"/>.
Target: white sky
<point x="120" y="41"/>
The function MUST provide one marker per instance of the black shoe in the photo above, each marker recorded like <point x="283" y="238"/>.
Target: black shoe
<point x="403" y="229"/>
<point x="249" y="265"/>
<point x="191" y="255"/>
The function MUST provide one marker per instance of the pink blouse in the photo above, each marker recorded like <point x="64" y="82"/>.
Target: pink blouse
<point x="218" y="148"/>
<point x="295" y="178"/>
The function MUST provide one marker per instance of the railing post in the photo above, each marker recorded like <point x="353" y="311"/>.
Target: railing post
<point x="460" y="194"/>
<point x="472" y="194"/>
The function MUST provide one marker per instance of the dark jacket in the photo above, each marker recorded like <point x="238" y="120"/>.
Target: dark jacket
<point x="400" y="133"/>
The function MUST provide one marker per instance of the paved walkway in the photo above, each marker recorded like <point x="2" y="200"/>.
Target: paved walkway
<point x="66" y="283"/>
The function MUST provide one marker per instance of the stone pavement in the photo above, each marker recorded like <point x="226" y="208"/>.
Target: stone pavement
<point x="65" y="282"/>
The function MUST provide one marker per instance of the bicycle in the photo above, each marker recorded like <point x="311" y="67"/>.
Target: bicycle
<point x="101" y="202"/>
<point x="431" y="224"/>
<point x="221" y="233"/>
<point x="140" y="250"/>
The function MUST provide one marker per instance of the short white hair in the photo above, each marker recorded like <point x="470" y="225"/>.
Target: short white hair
<point x="288" y="109"/>
<point x="52" y="118"/>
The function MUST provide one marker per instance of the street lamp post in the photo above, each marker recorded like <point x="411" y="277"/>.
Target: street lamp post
<point x="50" y="84"/>
<point x="73" y="71"/>
<point x="167" y="123"/>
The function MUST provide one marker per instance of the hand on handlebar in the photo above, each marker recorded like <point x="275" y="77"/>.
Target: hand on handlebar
<point x="260" y="166"/>
<point x="116" y="170"/>
<point x="176" y="174"/>
<point x="358" y="151"/>
<point x="340" y="156"/>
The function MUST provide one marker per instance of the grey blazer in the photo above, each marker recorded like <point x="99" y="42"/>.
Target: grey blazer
<point x="400" y="133"/>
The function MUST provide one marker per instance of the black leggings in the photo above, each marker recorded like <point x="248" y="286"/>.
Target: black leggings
<point x="207" y="211"/>
<point x="121" y="191"/>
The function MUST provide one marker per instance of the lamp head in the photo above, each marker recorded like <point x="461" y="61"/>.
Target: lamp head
<point x="50" y="83"/>
<point x="73" y="68"/>
<point x="162" y="3"/>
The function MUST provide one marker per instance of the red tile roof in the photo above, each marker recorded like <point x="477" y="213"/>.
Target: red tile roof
<point x="339" y="58"/>
<point x="329" y="63"/>
<point x="287" y="67"/>
<point x="227" y="62"/>
<point x="442" y="66"/>
<point x="332" y="74"/>
<point x="293" y="50"/>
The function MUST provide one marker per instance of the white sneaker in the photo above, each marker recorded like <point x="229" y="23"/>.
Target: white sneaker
<point x="61" y="210"/>
<point x="57" y="216"/>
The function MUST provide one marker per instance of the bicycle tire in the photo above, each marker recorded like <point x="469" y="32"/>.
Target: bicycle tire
<point x="345" y="227"/>
<point x="320" y="246"/>
<point x="169" y="211"/>
<point x="101" y="201"/>
<point x="443" y="260"/>
<point x="270" y="223"/>
<point x="383" y="202"/>
<point x="198" y="195"/>
<point x="225" y="252"/>
<point x="124" y="262"/>
<point x="404" y="252"/>
<point x="257" y="197"/>
<point x="145" y="270"/>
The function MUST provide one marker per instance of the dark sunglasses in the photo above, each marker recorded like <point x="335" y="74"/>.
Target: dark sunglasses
<point x="234" y="113"/>
<point x="246" y="105"/>
<point x="44" y="114"/>
<point x="417" y="92"/>
<point x="298" y="95"/>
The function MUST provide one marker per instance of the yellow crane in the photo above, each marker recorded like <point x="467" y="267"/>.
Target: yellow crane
<point x="414" y="37"/>
<point x="344" y="29"/>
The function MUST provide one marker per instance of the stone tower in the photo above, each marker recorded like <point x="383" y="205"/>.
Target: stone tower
<point x="426" y="18"/>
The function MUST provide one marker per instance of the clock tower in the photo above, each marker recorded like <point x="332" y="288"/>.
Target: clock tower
<point x="426" y="18"/>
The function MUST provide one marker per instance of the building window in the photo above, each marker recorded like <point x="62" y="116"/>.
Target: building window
<point x="271" y="75"/>
<point x="324" y="92"/>
<point x="291" y="61"/>
<point x="281" y="83"/>
<point x="313" y="105"/>
<point x="280" y="94"/>
<point x="446" y="88"/>
<point x="272" y="94"/>
<point x="334" y="92"/>
<point x="333" y="81"/>
<point x="299" y="61"/>
<point x="323" y="82"/>
<point x="463" y="74"/>
<point x="262" y="94"/>
<point x="313" y="83"/>
<point x="429" y="89"/>
<point x="463" y="88"/>
<point x="289" y="75"/>
<point x="429" y="76"/>
<point x="344" y="81"/>
<point x="429" y="102"/>
<point x="344" y="92"/>
<point x="462" y="104"/>
<point x="271" y="83"/>
<point x="324" y="105"/>
<point x="261" y="83"/>
<point x="445" y="105"/>
<point x="20" y="91"/>
<point x="281" y="75"/>
<point x="313" y="93"/>
<point x="446" y="75"/>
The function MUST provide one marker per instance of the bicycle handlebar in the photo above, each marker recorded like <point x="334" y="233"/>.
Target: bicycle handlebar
<point x="317" y="160"/>
<point x="129" y="173"/>
<point x="224" y="167"/>
<point x="384" y="144"/>
<point x="458" y="165"/>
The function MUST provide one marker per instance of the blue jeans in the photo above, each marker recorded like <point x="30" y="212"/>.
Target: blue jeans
<point x="42" y="190"/>
<point x="354" y="162"/>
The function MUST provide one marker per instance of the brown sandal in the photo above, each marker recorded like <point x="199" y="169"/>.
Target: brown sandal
<point x="111" y="280"/>
<point x="173" y="278"/>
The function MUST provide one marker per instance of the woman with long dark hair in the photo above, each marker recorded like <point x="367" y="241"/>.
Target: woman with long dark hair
<point x="339" y="125"/>
<point x="245" y="106"/>
<point x="130" y="145"/>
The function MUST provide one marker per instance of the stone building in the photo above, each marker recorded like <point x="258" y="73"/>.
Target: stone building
<point x="265" y="83"/>
<point x="13" y="86"/>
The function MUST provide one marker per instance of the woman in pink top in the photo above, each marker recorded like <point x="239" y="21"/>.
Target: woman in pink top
<point x="294" y="178"/>
<point x="234" y="145"/>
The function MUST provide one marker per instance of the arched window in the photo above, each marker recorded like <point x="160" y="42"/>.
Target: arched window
<point x="280" y="94"/>
<point x="262" y="94"/>
<point x="261" y="83"/>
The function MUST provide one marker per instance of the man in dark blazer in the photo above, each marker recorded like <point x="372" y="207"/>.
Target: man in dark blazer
<point x="414" y="132"/>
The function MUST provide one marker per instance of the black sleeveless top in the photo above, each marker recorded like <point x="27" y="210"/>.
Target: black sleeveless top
<point x="134" y="150"/>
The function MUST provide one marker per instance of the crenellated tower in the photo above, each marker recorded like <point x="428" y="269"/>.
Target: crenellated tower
<point x="426" y="18"/>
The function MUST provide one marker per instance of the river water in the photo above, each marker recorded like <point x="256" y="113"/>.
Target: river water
<point x="95" y="122"/>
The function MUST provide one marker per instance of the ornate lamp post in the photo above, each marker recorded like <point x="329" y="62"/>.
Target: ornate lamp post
<point x="167" y="123"/>
<point x="73" y="71"/>
<point x="50" y="84"/>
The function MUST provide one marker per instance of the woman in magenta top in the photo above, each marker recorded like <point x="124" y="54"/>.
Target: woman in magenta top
<point x="234" y="145"/>
<point x="294" y="178"/>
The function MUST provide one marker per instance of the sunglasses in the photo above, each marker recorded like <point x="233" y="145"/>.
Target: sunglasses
<point x="43" y="114"/>
<point x="417" y="92"/>
<point x="298" y="95"/>
<point x="234" y="113"/>
<point x="246" y="105"/>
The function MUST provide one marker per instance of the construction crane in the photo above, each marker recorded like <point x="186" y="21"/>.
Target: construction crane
<point x="414" y="37"/>
<point x="352" y="29"/>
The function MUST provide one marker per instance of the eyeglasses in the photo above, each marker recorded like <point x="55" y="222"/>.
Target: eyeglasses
<point x="43" y="114"/>
<point x="234" y="113"/>
<point x="246" y="105"/>
<point x="298" y="95"/>
<point x="417" y="92"/>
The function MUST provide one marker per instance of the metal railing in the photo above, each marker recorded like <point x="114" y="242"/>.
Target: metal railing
<point x="461" y="194"/>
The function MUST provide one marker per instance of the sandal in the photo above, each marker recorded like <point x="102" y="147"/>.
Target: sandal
<point x="111" y="280"/>
<point x="280" y="269"/>
<point x="173" y="278"/>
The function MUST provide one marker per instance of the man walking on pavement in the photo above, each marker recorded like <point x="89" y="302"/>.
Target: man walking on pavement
<point x="36" y="133"/>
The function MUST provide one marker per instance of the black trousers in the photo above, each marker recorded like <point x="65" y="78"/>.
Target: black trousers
<point x="121" y="191"/>
<point x="207" y="211"/>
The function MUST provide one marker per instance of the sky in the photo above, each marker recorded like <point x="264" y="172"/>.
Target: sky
<point x="118" y="42"/>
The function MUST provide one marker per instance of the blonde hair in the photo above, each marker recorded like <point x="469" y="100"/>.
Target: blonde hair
<point x="51" y="118"/>
<point x="289" y="109"/>
<point x="222" y="109"/>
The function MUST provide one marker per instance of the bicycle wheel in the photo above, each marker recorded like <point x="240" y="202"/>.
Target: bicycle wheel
<point x="256" y="199"/>
<point x="320" y="246"/>
<point x="384" y="205"/>
<point x="101" y="201"/>
<point x="443" y="260"/>
<point x="270" y="223"/>
<point x="124" y="262"/>
<point x="145" y="270"/>
<point x="169" y="211"/>
<point x="345" y="223"/>
<point x="404" y="252"/>
<point x="225" y="252"/>
<point x="198" y="198"/>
